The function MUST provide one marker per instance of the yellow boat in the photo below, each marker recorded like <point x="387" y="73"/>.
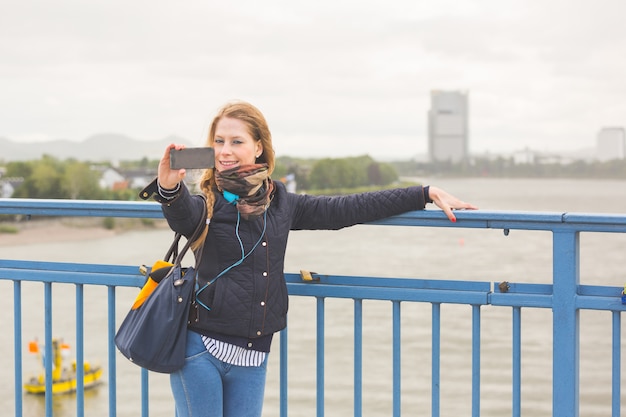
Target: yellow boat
<point x="63" y="379"/>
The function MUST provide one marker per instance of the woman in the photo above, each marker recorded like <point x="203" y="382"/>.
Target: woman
<point x="242" y="296"/>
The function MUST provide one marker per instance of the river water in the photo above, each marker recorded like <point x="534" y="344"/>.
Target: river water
<point x="431" y="253"/>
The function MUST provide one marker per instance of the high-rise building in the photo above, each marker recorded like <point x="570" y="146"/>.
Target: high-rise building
<point x="448" y="126"/>
<point x="611" y="144"/>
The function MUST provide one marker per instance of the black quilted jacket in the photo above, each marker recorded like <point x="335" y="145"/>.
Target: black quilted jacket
<point x="250" y="300"/>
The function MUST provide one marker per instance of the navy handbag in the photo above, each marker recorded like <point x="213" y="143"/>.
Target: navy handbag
<point x="153" y="334"/>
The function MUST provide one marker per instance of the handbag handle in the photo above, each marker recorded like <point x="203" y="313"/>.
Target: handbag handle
<point x="174" y="254"/>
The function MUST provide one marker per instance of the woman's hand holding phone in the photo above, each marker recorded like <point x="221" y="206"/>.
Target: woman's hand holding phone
<point x="168" y="177"/>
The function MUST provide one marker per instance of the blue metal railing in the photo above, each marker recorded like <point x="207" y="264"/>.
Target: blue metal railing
<point x="565" y="297"/>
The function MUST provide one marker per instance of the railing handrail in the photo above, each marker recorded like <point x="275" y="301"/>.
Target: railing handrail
<point x="495" y="219"/>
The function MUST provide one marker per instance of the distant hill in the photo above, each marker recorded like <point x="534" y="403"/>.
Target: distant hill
<point x="96" y="148"/>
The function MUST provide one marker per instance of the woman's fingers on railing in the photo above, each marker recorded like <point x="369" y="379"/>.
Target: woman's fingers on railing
<point x="447" y="202"/>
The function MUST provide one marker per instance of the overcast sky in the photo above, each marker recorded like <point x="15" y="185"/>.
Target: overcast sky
<point x="333" y="77"/>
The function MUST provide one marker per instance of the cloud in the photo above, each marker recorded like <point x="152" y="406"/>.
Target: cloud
<point x="353" y="77"/>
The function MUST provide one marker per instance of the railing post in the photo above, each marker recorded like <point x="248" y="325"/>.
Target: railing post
<point x="17" y="341"/>
<point x="617" y="364"/>
<point x="358" y="357"/>
<point x="476" y="360"/>
<point x="80" y="351"/>
<point x="566" y="331"/>
<point x="284" y="346"/>
<point x="397" y="361"/>
<point x="517" y="362"/>
<point x="112" y="352"/>
<point x="49" y="359"/>
<point x="436" y="359"/>
<point x="320" y="356"/>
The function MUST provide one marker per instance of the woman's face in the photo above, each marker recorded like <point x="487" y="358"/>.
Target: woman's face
<point x="234" y="145"/>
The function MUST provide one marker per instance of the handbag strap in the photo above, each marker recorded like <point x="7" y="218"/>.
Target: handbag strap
<point x="172" y="252"/>
<point x="177" y="256"/>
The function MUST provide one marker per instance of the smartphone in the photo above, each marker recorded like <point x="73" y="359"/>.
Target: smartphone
<point x="192" y="158"/>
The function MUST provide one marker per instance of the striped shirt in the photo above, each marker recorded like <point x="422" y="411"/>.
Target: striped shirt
<point x="233" y="354"/>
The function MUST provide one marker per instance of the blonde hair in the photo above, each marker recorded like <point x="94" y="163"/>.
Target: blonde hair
<point x="260" y="132"/>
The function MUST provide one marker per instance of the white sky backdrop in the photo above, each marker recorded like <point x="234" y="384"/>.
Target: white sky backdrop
<point x="333" y="78"/>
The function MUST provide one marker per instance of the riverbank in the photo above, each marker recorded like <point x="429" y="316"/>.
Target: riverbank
<point x="68" y="229"/>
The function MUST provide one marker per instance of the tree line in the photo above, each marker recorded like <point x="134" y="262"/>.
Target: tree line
<point x="50" y="177"/>
<point x="502" y="167"/>
<point x="336" y="175"/>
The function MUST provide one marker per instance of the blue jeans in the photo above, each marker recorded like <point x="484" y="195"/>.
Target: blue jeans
<point x="208" y="387"/>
